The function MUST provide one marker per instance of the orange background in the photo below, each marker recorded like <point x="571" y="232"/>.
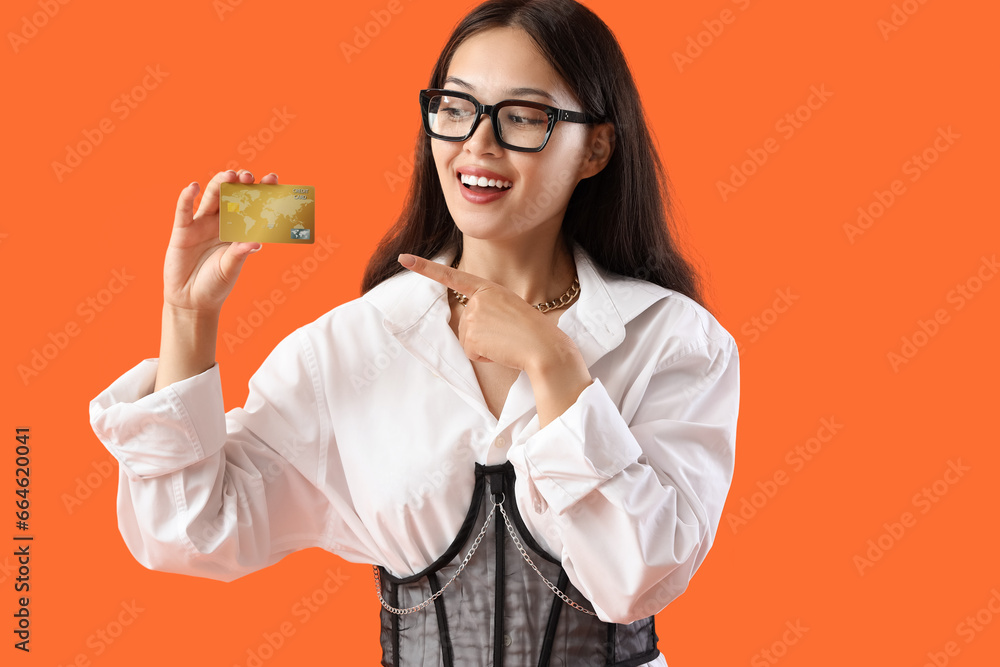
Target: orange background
<point x="825" y="357"/>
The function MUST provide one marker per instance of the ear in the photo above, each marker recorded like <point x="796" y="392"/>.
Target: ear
<point x="600" y="148"/>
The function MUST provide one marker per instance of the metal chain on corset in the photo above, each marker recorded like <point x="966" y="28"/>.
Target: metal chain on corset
<point x="475" y="545"/>
<point x="548" y="583"/>
<point x="410" y="610"/>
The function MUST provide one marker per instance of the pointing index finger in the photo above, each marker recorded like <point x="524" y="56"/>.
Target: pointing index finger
<point x="463" y="282"/>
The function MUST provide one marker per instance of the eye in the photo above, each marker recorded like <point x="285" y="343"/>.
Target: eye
<point x="524" y="117"/>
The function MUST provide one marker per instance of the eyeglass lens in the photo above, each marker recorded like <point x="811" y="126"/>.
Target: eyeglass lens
<point x="524" y="127"/>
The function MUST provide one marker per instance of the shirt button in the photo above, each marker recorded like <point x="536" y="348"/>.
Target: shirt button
<point x="500" y="442"/>
<point x="506" y="640"/>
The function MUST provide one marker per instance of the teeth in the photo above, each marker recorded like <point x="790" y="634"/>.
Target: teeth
<point x="483" y="182"/>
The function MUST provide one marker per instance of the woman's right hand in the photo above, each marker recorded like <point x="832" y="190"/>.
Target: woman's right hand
<point x="200" y="271"/>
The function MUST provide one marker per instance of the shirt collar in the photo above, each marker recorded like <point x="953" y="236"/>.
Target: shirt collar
<point x="595" y="321"/>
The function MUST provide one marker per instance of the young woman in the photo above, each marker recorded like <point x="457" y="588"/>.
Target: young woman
<point x="527" y="421"/>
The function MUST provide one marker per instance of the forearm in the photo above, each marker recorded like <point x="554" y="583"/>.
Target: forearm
<point x="187" y="345"/>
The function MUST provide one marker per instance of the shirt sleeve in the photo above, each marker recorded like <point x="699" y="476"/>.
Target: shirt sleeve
<point x="636" y="505"/>
<point x="210" y="494"/>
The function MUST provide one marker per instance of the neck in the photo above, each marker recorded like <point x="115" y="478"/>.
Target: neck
<point x="537" y="272"/>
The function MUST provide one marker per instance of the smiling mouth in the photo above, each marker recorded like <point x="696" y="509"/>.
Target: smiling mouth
<point x="484" y="185"/>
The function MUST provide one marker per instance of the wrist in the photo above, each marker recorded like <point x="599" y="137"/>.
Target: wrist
<point x="555" y="358"/>
<point x="187" y="345"/>
<point x="557" y="381"/>
<point x="185" y="315"/>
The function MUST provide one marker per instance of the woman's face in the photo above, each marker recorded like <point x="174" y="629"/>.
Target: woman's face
<point x="490" y="65"/>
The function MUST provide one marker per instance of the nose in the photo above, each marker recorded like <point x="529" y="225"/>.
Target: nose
<point x="483" y="139"/>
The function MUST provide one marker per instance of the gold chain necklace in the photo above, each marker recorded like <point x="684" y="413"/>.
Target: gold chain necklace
<point x="555" y="304"/>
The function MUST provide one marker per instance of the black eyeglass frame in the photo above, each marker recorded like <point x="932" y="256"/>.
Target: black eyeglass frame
<point x="555" y="115"/>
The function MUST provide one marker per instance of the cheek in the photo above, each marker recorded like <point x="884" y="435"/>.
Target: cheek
<point x="443" y="154"/>
<point x="551" y="185"/>
<point x="546" y="197"/>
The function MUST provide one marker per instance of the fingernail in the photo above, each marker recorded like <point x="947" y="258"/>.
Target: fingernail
<point x="195" y="186"/>
<point x="257" y="248"/>
<point x="406" y="260"/>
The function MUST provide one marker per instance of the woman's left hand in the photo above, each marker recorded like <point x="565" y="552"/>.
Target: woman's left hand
<point x="497" y="325"/>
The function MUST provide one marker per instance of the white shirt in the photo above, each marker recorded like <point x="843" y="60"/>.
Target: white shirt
<point x="361" y="429"/>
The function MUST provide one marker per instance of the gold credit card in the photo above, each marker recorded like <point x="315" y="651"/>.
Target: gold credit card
<point x="267" y="213"/>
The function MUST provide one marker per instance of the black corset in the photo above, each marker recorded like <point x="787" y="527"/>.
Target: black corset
<point x="514" y="620"/>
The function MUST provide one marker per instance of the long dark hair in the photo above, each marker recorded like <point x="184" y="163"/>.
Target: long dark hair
<point x="623" y="216"/>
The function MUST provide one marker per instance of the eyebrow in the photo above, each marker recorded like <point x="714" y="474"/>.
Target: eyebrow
<point x="516" y="92"/>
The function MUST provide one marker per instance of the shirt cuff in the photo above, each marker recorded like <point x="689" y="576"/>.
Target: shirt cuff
<point x="576" y="452"/>
<point x="155" y="433"/>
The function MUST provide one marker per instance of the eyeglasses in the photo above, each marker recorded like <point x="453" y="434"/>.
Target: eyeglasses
<point x="519" y="125"/>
